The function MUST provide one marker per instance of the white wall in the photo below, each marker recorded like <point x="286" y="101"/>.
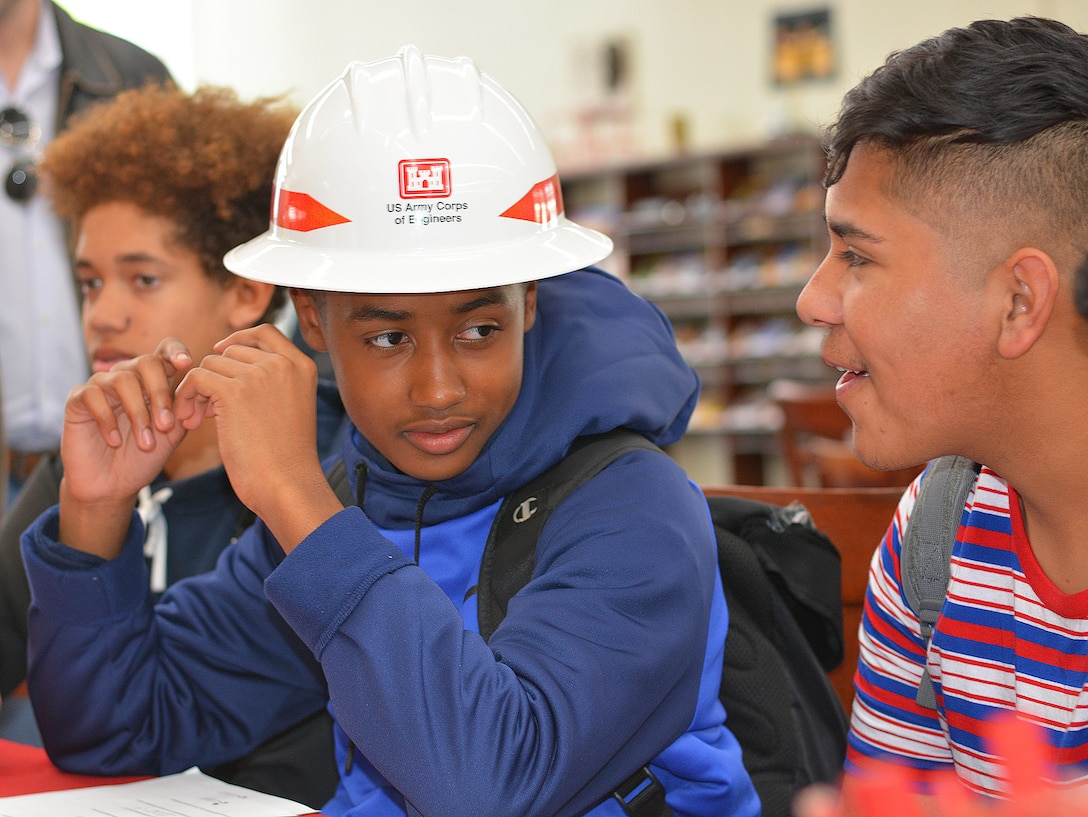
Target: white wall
<point x="164" y="28"/>
<point x="707" y="60"/>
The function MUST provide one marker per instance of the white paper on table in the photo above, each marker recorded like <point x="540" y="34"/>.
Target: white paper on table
<point x="188" y="794"/>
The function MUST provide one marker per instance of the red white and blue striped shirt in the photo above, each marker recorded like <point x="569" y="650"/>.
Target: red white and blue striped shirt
<point x="1007" y="640"/>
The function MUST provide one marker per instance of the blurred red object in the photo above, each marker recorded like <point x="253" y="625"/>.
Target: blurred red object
<point x="889" y="790"/>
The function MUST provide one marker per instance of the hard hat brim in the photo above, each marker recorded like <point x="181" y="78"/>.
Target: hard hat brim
<point x="277" y="260"/>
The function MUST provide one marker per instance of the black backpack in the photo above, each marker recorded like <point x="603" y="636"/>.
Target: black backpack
<point x="782" y="581"/>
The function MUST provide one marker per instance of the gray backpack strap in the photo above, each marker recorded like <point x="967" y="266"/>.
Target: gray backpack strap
<point x="926" y="554"/>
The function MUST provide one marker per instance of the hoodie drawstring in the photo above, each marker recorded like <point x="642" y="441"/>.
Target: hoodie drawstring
<point x="149" y="507"/>
<point x="361" y="473"/>
<point x="428" y="492"/>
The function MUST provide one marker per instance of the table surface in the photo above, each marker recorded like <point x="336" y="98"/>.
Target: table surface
<point x="27" y="770"/>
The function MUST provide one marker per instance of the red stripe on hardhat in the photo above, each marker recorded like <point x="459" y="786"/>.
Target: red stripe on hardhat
<point x="542" y="204"/>
<point x="302" y="212"/>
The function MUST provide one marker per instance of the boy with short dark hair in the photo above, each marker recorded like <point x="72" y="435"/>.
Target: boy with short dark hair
<point x="957" y="205"/>
<point x="418" y="220"/>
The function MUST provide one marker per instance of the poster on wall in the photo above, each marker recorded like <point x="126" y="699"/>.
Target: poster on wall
<point x="803" y="49"/>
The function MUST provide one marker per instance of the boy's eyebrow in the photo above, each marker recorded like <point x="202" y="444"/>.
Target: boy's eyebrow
<point x="128" y="258"/>
<point x="846" y="230"/>
<point x="379" y="313"/>
<point x="497" y="296"/>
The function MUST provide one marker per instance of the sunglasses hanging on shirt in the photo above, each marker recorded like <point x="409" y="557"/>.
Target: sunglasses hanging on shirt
<point x="18" y="133"/>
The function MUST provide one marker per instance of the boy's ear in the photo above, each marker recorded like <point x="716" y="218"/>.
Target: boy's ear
<point x="250" y="300"/>
<point x="530" y="305"/>
<point x="309" y="320"/>
<point x="1030" y="284"/>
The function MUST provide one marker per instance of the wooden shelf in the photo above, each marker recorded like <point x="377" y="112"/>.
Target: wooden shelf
<point x="723" y="243"/>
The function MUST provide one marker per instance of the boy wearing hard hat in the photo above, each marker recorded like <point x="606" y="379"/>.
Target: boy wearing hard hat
<point x="497" y="349"/>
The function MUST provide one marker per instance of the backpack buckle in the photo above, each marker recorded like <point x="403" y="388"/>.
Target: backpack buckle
<point x="641" y="795"/>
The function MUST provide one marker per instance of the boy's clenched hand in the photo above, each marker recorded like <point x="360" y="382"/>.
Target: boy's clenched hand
<point x="119" y="431"/>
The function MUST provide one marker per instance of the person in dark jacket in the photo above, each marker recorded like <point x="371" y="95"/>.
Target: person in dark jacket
<point x="418" y="220"/>
<point x="51" y="69"/>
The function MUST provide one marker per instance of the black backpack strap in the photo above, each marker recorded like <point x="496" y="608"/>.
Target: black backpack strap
<point x="510" y="558"/>
<point x="521" y="517"/>
<point x="926" y="552"/>
<point x="642" y="795"/>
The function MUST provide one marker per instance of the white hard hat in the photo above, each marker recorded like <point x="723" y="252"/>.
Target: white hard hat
<point x="415" y="174"/>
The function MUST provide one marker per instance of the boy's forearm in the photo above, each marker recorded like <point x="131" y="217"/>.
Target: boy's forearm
<point x="298" y="510"/>
<point x="98" y="528"/>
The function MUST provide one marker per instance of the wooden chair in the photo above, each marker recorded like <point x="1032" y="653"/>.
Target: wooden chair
<point x="855" y="520"/>
<point x="814" y="439"/>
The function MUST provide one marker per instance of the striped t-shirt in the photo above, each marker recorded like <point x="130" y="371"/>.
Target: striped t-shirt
<point x="1007" y="639"/>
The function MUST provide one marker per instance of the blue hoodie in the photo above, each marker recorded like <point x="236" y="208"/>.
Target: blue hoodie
<point x="608" y="659"/>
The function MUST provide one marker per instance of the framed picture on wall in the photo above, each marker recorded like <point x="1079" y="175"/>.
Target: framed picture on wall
<point x="803" y="49"/>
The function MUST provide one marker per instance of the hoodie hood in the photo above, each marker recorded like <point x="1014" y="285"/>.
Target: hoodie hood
<point x="598" y="357"/>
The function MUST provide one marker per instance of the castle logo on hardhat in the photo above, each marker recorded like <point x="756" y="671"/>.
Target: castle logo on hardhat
<point x="415" y="173"/>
